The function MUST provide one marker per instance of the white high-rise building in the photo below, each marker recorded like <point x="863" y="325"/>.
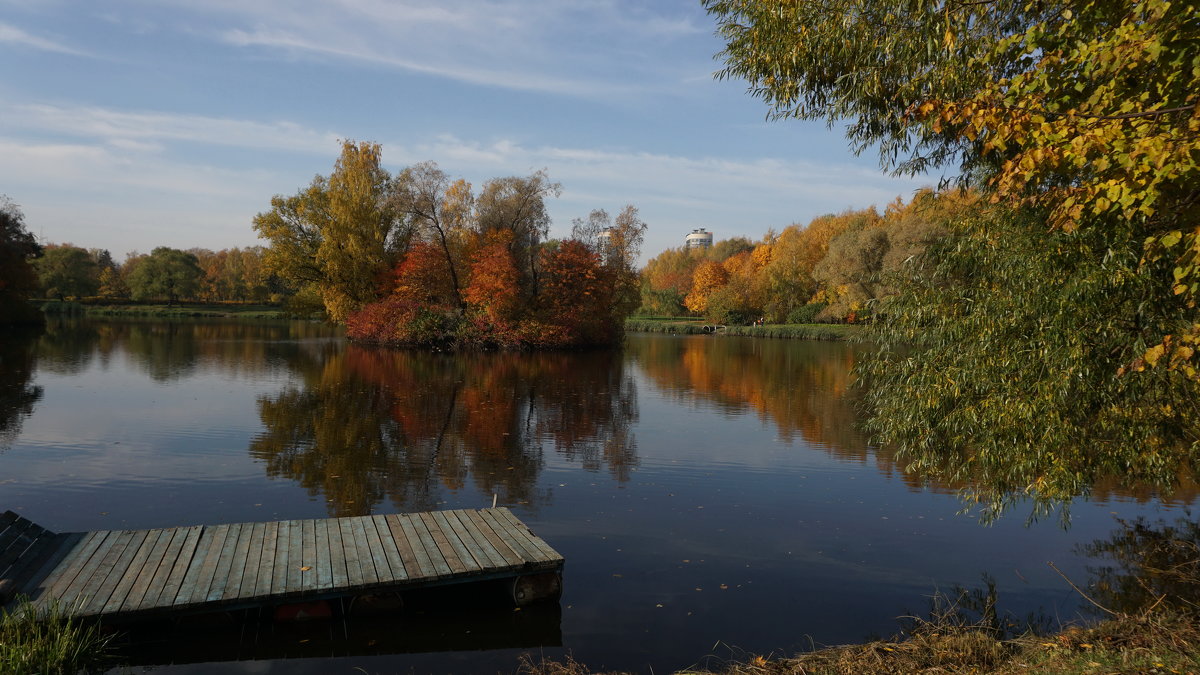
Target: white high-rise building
<point x="699" y="238"/>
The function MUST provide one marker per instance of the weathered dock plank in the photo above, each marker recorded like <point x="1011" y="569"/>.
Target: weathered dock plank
<point x="130" y="573"/>
<point x="482" y="547"/>
<point x="391" y="550"/>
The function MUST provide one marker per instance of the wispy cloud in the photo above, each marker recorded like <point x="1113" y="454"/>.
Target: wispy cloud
<point x="10" y="34"/>
<point x="143" y="130"/>
<point x="586" y="48"/>
<point x="461" y="72"/>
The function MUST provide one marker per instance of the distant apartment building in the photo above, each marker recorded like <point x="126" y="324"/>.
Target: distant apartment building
<point x="699" y="238"/>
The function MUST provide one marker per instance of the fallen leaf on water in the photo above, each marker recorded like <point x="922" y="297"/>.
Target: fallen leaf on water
<point x="658" y="605"/>
<point x="306" y="568"/>
<point x="616" y="576"/>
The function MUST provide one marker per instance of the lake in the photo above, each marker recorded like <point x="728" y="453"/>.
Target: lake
<point x="712" y="495"/>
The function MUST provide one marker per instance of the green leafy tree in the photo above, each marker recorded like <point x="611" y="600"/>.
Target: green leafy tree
<point x="67" y="270"/>
<point x="340" y="235"/>
<point x="1001" y="361"/>
<point x="17" y="277"/>
<point x="166" y="273"/>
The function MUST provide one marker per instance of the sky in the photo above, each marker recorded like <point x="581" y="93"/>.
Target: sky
<point x="133" y="124"/>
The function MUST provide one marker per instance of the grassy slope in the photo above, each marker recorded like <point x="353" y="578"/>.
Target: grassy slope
<point x="810" y="331"/>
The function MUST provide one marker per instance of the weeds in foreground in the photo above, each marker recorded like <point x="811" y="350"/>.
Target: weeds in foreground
<point x="48" y="641"/>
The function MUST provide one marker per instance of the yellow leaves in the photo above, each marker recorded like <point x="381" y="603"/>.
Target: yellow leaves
<point x="1153" y="354"/>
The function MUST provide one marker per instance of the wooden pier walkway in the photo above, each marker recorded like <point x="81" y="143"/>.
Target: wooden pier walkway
<point x="139" y="573"/>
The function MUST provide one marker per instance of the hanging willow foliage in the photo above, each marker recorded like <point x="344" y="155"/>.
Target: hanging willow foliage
<point x="1060" y="330"/>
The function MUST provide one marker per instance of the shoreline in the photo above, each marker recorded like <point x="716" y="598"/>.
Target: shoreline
<point x="805" y="331"/>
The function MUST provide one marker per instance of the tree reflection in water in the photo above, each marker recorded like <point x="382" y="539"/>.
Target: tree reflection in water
<point x="171" y="350"/>
<point x="368" y="424"/>
<point x="806" y="390"/>
<point x="17" y="394"/>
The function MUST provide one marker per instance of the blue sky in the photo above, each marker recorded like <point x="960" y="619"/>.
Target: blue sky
<point x="131" y="124"/>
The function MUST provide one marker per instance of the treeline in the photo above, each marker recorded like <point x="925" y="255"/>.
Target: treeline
<point x="229" y="275"/>
<point x="827" y="271"/>
<point x="422" y="259"/>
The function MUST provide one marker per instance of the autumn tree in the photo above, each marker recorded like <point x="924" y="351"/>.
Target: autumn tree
<point x="578" y="293"/>
<point x="1079" y="121"/>
<point x="708" y="277"/>
<point x="494" y="281"/>
<point x="480" y="273"/>
<point x="423" y="276"/>
<point x="67" y="270"/>
<point x="166" y="273"/>
<point x="619" y="243"/>
<point x="439" y="212"/>
<point x="340" y="234"/>
<point x="666" y="281"/>
<point x="737" y="301"/>
<point x="517" y="204"/>
<point x="109" y="276"/>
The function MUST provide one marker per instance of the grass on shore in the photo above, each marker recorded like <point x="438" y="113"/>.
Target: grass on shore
<point x="683" y="326"/>
<point x="177" y="311"/>
<point x="49" y="642"/>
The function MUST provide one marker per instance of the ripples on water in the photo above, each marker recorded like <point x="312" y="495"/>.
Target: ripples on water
<point x="704" y="490"/>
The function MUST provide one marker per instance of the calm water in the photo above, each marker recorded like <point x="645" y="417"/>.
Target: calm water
<point x="711" y="494"/>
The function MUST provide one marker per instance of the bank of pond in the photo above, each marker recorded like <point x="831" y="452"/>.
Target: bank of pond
<point x="258" y="312"/>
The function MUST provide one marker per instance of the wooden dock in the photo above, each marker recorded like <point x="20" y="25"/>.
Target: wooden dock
<point x="131" y="574"/>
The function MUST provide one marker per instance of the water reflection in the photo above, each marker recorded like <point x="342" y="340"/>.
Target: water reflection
<point x="804" y="389"/>
<point x="169" y="351"/>
<point x="17" y="394"/>
<point x="369" y="424"/>
<point x="1144" y="564"/>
